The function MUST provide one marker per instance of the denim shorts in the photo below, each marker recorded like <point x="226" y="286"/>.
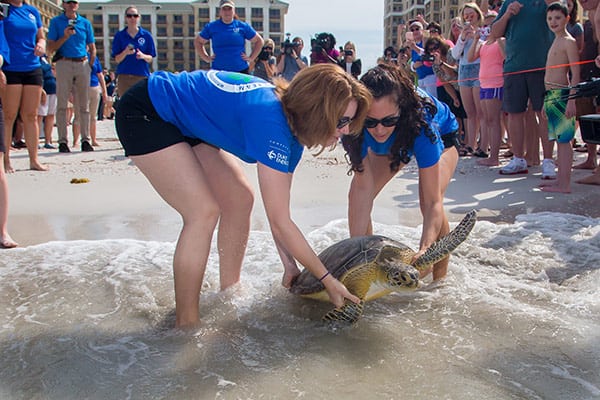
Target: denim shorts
<point x="468" y="75"/>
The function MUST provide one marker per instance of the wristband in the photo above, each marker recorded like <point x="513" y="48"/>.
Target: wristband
<point x="324" y="276"/>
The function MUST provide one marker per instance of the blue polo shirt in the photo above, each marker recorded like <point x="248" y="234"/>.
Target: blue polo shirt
<point x="228" y="42"/>
<point x="20" y="29"/>
<point x="238" y="113"/>
<point x="130" y="64"/>
<point x="96" y="69"/>
<point x="76" y="45"/>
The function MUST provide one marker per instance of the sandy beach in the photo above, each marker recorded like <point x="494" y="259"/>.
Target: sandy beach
<point x="118" y="202"/>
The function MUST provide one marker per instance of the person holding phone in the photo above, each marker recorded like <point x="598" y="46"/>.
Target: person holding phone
<point x="133" y="50"/>
<point x="349" y="62"/>
<point x="71" y="37"/>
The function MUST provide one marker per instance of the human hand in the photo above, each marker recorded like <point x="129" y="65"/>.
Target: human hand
<point x="69" y="31"/>
<point x="337" y="292"/>
<point x="40" y="48"/>
<point x="139" y="55"/>
<point x="571" y="109"/>
<point x="514" y="8"/>
<point x="2" y="81"/>
<point x="597" y="61"/>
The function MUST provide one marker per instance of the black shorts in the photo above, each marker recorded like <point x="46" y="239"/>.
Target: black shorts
<point x="139" y="127"/>
<point x="450" y="140"/>
<point x="35" y="77"/>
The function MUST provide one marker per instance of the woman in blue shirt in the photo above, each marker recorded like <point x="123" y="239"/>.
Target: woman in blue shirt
<point x="185" y="133"/>
<point x="24" y="79"/>
<point x="403" y="122"/>
<point x="228" y="36"/>
<point x="133" y="49"/>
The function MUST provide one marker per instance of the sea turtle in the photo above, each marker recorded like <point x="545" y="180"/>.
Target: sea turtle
<point x="373" y="266"/>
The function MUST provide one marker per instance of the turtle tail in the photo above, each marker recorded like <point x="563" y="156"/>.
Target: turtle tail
<point x="445" y="245"/>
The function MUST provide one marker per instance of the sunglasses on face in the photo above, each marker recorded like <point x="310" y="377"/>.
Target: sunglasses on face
<point x="388" y="122"/>
<point x="268" y="48"/>
<point x="434" y="30"/>
<point x="432" y="49"/>
<point x="415" y="29"/>
<point x="342" y="122"/>
<point x="132" y="15"/>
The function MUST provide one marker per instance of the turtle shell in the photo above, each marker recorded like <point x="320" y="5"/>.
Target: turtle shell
<point x="344" y="256"/>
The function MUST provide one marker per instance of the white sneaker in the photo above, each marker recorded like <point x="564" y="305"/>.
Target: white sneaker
<point x="515" y="166"/>
<point x="548" y="169"/>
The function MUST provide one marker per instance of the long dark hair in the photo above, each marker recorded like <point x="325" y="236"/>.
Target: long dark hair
<point x="389" y="80"/>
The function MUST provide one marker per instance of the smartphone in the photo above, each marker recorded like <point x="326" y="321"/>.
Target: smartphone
<point x="409" y="36"/>
<point x="72" y="23"/>
<point x="130" y="46"/>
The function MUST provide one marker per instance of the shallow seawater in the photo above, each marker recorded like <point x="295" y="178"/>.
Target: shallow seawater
<point x="518" y="317"/>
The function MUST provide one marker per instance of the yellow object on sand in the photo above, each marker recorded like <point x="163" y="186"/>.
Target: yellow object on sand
<point x="80" y="180"/>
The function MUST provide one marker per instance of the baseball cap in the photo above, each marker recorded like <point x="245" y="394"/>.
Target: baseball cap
<point x="226" y="3"/>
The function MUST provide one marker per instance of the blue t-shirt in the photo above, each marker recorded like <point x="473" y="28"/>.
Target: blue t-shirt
<point x="4" y="50"/>
<point x="423" y="70"/>
<point x="96" y="69"/>
<point x="20" y="29"/>
<point x="130" y="64"/>
<point x="238" y="113"/>
<point x="425" y="152"/>
<point x="49" y="78"/>
<point x="76" y="45"/>
<point x="228" y="42"/>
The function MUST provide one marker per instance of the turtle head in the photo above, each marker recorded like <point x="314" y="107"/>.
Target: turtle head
<point x="402" y="277"/>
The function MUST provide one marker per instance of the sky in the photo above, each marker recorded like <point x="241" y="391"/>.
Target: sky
<point x="358" y="21"/>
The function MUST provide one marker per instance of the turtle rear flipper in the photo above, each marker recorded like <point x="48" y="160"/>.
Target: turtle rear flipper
<point x="349" y="312"/>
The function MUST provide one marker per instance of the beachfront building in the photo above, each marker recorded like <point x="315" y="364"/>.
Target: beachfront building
<point x="401" y="11"/>
<point x="174" y="24"/>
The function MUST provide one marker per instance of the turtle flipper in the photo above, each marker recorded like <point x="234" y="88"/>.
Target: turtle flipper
<point x="349" y="312"/>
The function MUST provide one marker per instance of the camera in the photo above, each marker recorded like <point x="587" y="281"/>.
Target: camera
<point x="348" y="52"/>
<point x="319" y="43"/>
<point x="264" y="55"/>
<point x="3" y="10"/>
<point x="288" y="45"/>
<point x="428" y="57"/>
<point x="72" y="23"/>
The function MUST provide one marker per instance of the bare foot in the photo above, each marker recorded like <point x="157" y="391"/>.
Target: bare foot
<point x="6" y="242"/>
<point x="488" y="162"/>
<point x="593" y="179"/>
<point x="36" y="166"/>
<point x="585" y="165"/>
<point x="288" y="277"/>
<point x="95" y="144"/>
<point x="555" y="188"/>
<point x="8" y="168"/>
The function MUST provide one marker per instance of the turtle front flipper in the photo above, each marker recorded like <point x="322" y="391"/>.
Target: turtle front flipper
<point x="349" y="312"/>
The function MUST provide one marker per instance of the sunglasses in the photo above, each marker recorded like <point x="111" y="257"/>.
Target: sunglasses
<point x="415" y="29"/>
<point x="434" y="30"/>
<point x="342" y="122"/>
<point x="71" y="2"/>
<point x="132" y="15"/>
<point x="388" y="122"/>
<point x="268" y="48"/>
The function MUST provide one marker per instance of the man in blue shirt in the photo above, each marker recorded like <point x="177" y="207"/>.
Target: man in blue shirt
<point x="71" y="36"/>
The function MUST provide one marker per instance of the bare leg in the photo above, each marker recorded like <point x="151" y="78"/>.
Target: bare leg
<point x="492" y="124"/>
<point x="178" y="177"/>
<point x="29" y="106"/>
<point x="6" y="241"/>
<point x="48" y="127"/>
<point x="466" y="94"/>
<point x="563" y="183"/>
<point x="591" y="161"/>
<point x="516" y="129"/>
<point x="531" y="137"/>
<point x="10" y="103"/>
<point x="235" y="200"/>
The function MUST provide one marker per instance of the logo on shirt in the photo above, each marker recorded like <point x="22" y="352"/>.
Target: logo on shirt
<point x="279" y="153"/>
<point x="233" y="82"/>
<point x="141" y="41"/>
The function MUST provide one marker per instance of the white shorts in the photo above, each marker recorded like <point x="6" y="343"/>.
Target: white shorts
<point x="50" y="107"/>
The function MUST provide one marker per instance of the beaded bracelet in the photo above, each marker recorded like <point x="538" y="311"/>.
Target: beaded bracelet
<point x="324" y="276"/>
